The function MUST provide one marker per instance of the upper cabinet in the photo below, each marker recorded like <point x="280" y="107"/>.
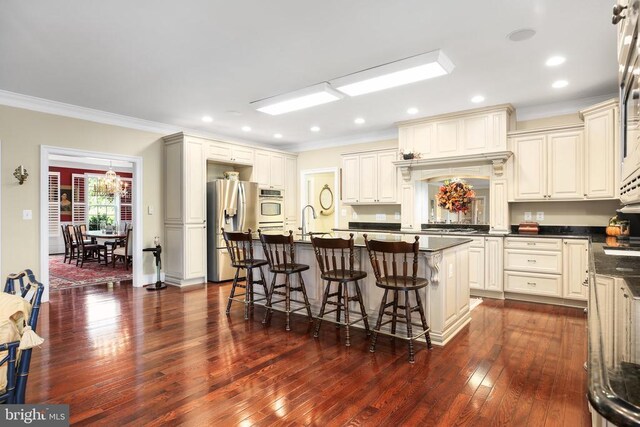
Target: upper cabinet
<point x="601" y="150"/>
<point x="468" y="132"/>
<point x="229" y="153"/>
<point x="370" y="178"/>
<point x="268" y="169"/>
<point x="290" y="188"/>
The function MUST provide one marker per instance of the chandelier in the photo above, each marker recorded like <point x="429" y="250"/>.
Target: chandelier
<point x="110" y="186"/>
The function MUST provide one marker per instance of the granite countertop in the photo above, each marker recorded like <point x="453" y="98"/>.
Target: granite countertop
<point x="625" y="267"/>
<point x="427" y="244"/>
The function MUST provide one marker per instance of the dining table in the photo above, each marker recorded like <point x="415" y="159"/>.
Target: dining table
<point x="99" y="234"/>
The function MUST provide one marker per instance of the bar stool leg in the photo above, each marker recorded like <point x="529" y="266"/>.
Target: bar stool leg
<point x="407" y="310"/>
<point x="362" y="309"/>
<point x="423" y="318"/>
<point x="339" y="304"/>
<point x="306" y="298"/>
<point x="287" y="302"/>
<point x="374" y="336"/>
<point x="327" y="288"/>
<point x="248" y="288"/>
<point x="346" y="314"/>
<point x="394" y="317"/>
<point x="233" y="291"/>
<point x="263" y="281"/>
<point x="267" y="314"/>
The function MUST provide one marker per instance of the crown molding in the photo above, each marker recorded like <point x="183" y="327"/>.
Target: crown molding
<point x="380" y="135"/>
<point x="558" y="108"/>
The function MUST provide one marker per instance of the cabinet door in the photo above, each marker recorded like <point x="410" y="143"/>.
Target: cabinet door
<point x="447" y="135"/>
<point x="575" y="269"/>
<point x="529" y="167"/>
<point x="499" y="206"/>
<point x="195" y="251"/>
<point x="476" y="268"/>
<point x="605" y="289"/>
<point x="462" y="276"/>
<point x="493" y="264"/>
<point x="406" y="206"/>
<point x="387" y="177"/>
<point x="290" y="188"/>
<point x="220" y="152"/>
<point x="564" y="157"/>
<point x="276" y="171"/>
<point x="368" y="178"/>
<point x="476" y="134"/>
<point x="262" y="168"/>
<point x="416" y="138"/>
<point x="242" y="155"/>
<point x="600" y="151"/>
<point x="195" y="177"/>
<point x="350" y="179"/>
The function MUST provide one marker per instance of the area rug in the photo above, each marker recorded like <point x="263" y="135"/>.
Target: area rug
<point x="474" y="302"/>
<point x="64" y="276"/>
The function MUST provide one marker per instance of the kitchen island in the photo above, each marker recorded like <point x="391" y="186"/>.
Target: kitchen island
<point x="445" y="262"/>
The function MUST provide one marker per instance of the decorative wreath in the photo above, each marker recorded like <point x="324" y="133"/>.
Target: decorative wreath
<point x="455" y="196"/>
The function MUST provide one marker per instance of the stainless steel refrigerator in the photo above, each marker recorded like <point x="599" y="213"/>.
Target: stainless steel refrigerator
<point x="232" y="205"/>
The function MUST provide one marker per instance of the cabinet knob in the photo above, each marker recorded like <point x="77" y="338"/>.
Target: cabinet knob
<point x="531" y="283"/>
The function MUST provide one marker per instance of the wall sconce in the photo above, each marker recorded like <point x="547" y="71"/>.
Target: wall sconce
<point x="21" y="174"/>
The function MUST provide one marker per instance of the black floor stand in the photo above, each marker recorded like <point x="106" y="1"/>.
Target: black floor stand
<point x="159" y="284"/>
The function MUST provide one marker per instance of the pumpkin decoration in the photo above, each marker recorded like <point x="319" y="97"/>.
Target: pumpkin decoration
<point x="613" y="229"/>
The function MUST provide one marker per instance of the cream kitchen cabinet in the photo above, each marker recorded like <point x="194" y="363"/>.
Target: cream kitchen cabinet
<point x="290" y="189"/>
<point x="268" y="169"/>
<point x="477" y="267"/>
<point x="575" y="269"/>
<point x="468" y="132"/>
<point x="493" y="253"/>
<point x="370" y="178"/>
<point x="601" y="148"/>
<point x="230" y="153"/>
<point x="548" y="164"/>
<point x="185" y="209"/>
<point x="533" y="266"/>
<point x="605" y="292"/>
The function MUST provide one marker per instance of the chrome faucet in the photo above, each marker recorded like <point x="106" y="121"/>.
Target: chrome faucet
<point x="304" y="227"/>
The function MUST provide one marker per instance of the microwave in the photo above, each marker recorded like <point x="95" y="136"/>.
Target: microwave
<point x="270" y="207"/>
<point x="629" y="78"/>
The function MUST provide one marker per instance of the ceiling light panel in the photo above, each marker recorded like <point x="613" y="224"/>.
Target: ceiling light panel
<point x="555" y="61"/>
<point x="298" y="100"/>
<point x="394" y="74"/>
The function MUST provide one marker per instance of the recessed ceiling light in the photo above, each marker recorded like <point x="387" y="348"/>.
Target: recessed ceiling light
<point x="555" y="60"/>
<point x="277" y="135"/>
<point x="412" y="110"/>
<point x="207" y="119"/>
<point x="315" y="129"/>
<point x="559" y="84"/>
<point x="359" y="121"/>
<point x="477" y="99"/>
<point x="409" y="70"/>
<point x="521" y="35"/>
<point x="246" y="128"/>
<point x="298" y="100"/>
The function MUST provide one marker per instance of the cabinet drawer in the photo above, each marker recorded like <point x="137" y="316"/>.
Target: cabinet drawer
<point x="534" y="261"/>
<point x="477" y="242"/>
<point x="532" y="283"/>
<point x="536" y="243"/>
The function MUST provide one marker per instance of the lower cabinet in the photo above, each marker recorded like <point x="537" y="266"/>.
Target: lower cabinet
<point x="186" y="251"/>
<point x="476" y="268"/>
<point x="493" y="250"/>
<point x="575" y="269"/>
<point x="525" y="282"/>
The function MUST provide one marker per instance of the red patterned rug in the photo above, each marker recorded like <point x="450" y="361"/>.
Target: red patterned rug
<point x="64" y="276"/>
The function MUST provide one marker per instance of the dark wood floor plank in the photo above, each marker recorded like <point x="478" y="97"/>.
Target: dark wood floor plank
<point x="124" y="356"/>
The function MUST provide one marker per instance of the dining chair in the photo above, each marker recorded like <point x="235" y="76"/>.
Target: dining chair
<point x="124" y="253"/>
<point x="88" y="251"/>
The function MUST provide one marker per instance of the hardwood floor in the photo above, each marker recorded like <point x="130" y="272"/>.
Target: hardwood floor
<point x="124" y="356"/>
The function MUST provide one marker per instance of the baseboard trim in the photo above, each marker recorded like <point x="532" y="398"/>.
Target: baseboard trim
<point x="545" y="300"/>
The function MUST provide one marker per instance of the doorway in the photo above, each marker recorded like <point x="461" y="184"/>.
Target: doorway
<point x="131" y="208"/>
<point x="319" y="188"/>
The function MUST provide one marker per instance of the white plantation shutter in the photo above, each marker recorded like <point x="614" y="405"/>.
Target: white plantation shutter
<point x="78" y="190"/>
<point x="54" y="204"/>
<point x="126" y="210"/>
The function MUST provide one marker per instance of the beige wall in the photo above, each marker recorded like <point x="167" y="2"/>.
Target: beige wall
<point x="592" y="213"/>
<point x="330" y="158"/>
<point x="323" y="221"/>
<point x="22" y="132"/>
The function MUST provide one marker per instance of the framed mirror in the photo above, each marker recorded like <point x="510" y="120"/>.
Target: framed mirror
<point x="326" y="198"/>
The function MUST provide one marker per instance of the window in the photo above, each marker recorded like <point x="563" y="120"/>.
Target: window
<point x="101" y="210"/>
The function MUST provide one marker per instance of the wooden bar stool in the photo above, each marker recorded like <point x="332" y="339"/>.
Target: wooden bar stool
<point x="240" y="247"/>
<point x="335" y="258"/>
<point x="390" y="262"/>
<point x="280" y="253"/>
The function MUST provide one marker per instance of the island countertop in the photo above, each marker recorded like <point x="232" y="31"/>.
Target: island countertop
<point x="427" y="243"/>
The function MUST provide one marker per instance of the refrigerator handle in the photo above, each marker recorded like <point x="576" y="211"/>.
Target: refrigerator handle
<point x="242" y="208"/>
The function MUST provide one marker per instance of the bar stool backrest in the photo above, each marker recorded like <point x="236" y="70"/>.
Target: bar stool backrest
<point x="334" y="254"/>
<point x="278" y="249"/>
<point x="239" y="245"/>
<point x="390" y="261"/>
